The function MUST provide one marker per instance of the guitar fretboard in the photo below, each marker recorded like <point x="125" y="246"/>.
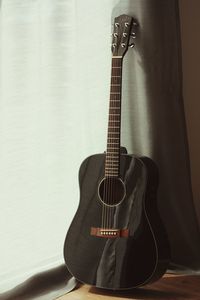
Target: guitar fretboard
<point x="112" y="163"/>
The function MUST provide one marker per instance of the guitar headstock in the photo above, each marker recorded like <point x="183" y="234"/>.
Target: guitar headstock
<point x="123" y="34"/>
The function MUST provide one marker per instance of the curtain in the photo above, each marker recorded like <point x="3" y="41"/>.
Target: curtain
<point x="55" y="73"/>
<point x="38" y="137"/>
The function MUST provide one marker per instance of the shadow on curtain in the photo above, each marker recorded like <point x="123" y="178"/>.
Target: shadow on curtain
<point x="154" y="120"/>
<point x="46" y="285"/>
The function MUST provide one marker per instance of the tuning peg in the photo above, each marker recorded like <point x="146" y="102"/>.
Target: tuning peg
<point x="131" y="45"/>
<point x="114" y="45"/>
<point x="123" y="45"/>
<point x="115" y="34"/>
<point x="126" y="24"/>
<point x="124" y="34"/>
<point x="133" y="35"/>
<point x="116" y="24"/>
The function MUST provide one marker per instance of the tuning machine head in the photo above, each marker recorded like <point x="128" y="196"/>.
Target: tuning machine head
<point x="132" y="45"/>
<point x="133" y="34"/>
<point x="124" y="33"/>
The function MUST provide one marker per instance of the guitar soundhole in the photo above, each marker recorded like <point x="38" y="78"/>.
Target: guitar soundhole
<point x="111" y="191"/>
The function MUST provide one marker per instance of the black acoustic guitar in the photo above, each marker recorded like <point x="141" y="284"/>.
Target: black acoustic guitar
<point x="116" y="239"/>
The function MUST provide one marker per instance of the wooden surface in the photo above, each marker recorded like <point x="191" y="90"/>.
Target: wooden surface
<point x="170" y="287"/>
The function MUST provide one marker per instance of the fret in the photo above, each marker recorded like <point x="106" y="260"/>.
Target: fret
<point x="112" y="149"/>
<point x="109" y="149"/>
<point x="111" y="142"/>
<point x="115" y="133"/>
<point x="110" y="169"/>
<point x="108" y="152"/>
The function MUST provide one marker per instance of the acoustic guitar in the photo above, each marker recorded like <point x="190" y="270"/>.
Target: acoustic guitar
<point x="116" y="239"/>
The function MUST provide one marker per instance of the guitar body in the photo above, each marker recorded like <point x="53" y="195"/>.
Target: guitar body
<point x="122" y="262"/>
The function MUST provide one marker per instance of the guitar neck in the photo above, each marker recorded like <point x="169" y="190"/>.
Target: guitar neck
<point x="112" y="163"/>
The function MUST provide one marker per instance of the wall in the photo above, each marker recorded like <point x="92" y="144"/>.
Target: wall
<point x="190" y="25"/>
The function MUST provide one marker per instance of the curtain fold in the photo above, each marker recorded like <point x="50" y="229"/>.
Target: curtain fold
<point x="37" y="198"/>
<point x="50" y="284"/>
<point x="55" y="72"/>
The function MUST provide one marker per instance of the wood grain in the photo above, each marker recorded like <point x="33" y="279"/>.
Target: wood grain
<point x="170" y="287"/>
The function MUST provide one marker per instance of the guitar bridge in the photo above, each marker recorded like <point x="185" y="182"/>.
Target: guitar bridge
<point x="108" y="232"/>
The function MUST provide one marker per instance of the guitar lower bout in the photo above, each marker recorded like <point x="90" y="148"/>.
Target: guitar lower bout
<point x="130" y="247"/>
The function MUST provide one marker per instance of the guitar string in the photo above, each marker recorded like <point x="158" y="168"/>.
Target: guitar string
<point x="116" y="124"/>
<point x="110" y="150"/>
<point x="103" y="208"/>
<point x="109" y="183"/>
<point x="106" y="182"/>
<point x="112" y="144"/>
<point x="110" y="157"/>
